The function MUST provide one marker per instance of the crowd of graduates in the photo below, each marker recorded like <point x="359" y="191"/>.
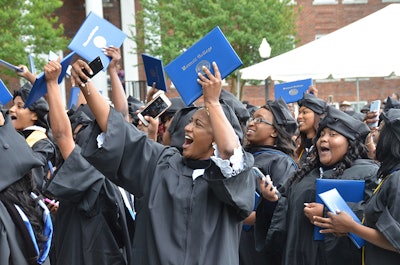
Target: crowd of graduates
<point x="94" y="185"/>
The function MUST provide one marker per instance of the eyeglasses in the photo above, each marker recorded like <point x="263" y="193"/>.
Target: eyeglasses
<point x="258" y="121"/>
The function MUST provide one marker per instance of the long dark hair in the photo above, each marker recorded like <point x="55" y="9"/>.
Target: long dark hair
<point x="387" y="151"/>
<point x="302" y="137"/>
<point x="18" y="193"/>
<point x="356" y="150"/>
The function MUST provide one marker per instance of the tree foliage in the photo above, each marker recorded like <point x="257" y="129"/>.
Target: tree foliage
<point x="165" y="28"/>
<point x="27" y="26"/>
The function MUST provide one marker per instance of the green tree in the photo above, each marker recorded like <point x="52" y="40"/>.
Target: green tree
<point x="165" y="28"/>
<point x="27" y="26"/>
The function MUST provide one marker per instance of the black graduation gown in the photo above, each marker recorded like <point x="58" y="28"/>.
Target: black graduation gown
<point x="45" y="150"/>
<point x="382" y="212"/>
<point x="179" y="220"/>
<point x="291" y="229"/>
<point x="90" y="225"/>
<point x="280" y="167"/>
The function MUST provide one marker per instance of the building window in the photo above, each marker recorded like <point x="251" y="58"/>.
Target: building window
<point x="325" y="2"/>
<point x="349" y="2"/>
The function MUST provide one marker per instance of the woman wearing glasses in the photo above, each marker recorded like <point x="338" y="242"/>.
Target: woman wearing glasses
<point x="269" y="138"/>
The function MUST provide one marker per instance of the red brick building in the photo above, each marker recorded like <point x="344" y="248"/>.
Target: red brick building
<point x="316" y="18"/>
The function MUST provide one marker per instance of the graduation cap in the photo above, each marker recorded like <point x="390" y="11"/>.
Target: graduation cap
<point x="16" y="156"/>
<point x="313" y="103"/>
<point x="391" y="103"/>
<point x="176" y="104"/>
<point x="238" y="107"/>
<point x="39" y="88"/>
<point x="344" y="124"/>
<point x="40" y="106"/>
<point x="391" y="118"/>
<point x="282" y="115"/>
<point x="133" y="105"/>
<point x="80" y="115"/>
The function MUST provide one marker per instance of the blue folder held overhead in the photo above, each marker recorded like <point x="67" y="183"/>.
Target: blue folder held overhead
<point x="10" y="66"/>
<point x="183" y="70"/>
<point x="350" y="190"/>
<point x="5" y="95"/>
<point x="292" y="91"/>
<point x="154" y="71"/>
<point x="95" y="34"/>
<point x="335" y="202"/>
<point x="39" y="88"/>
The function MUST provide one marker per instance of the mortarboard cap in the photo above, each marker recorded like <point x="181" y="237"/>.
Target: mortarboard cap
<point x="391" y="103"/>
<point x="313" y="103"/>
<point x="238" y="107"/>
<point x="16" y="157"/>
<point x="177" y="104"/>
<point x="282" y="115"/>
<point x="392" y="120"/>
<point x="344" y="124"/>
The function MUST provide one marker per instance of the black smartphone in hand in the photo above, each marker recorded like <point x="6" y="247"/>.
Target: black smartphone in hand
<point x="96" y="65"/>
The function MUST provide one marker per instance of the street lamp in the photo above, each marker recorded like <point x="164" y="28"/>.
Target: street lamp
<point x="265" y="52"/>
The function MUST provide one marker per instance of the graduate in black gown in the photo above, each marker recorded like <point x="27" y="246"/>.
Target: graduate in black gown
<point x="32" y="123"/>
<point x="311" y="111"/>
<point x="381" y="227"/>
<point x="25" y="222"/>
<point x="339" y="153"/>
<point x="92" y="225"/>
<point x="191" y="205"/>
<point x="269" y="138"/>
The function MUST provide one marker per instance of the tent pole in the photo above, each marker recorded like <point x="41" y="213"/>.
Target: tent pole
<point x="238" y="86"/>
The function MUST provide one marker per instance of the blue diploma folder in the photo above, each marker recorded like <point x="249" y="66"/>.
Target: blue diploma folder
<point x="39" y="88"/>
<point x="183" y="71"/>
<point x="5" y="95"/>
<point x="154" y="71"/>
<point x="335" y="202"/>
<point x="350" y="190"/>
<point x="95" y="34"/>
<point x="10" y="66"/>
<point x="292" y="91"/>
<point x="256" y="198"/>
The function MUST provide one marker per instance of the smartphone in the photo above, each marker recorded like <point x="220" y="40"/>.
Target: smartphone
<point x="157" y="106"/>
<point x="96" y="65"/>
<point x="375" y="106"/>
<point x="266" y="178"/>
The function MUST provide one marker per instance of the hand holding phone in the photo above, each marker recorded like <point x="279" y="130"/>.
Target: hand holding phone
<point x="266" y="178"/>
<point x="157" y="106"/>
<point x="375" y="106"/>
<point x="96" y="65"/>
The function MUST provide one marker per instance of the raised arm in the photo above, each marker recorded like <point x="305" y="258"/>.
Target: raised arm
<point x="59" y="120"/>
<point x="30" y="77"/>
<point x="96" y="102"/>
<point x="118" y="96"/>
<point x="224" y="134"/>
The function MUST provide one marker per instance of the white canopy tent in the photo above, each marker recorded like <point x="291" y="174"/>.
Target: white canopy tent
<point x="369" y="47"/>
